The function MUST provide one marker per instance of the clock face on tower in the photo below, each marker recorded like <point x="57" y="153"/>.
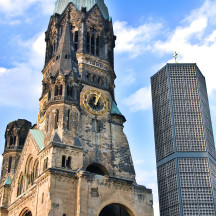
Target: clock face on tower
<point x="95" y="102"/>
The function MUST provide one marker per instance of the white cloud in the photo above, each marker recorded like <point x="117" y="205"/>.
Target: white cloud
<point x="195" y="41"/>
<point x="21" y="84"/>
<point x="2" y="71"/>
<point x="135" y="40"/>
<point x="140" y="100"/>
<point x="13" y="8"/>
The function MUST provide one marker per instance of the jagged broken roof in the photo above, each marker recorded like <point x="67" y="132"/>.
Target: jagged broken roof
<point x="88" y="4"/>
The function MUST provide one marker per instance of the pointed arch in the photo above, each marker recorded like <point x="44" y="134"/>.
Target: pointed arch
<point x="25" y="212"/>
<point x="35" y="169"/>
<point x="20" y="185"/>
<point x="29" y="171"/>
<point x="56" y="118"/>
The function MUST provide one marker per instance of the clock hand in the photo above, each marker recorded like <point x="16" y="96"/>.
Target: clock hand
<point x="97" y="99"/>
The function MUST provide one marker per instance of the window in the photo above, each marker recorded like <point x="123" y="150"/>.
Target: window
<point x="20" y="185"/>
<point x="69" y="91"/>
<point x="42" y="199"/>
<point x="68" y="119"/>
<point x="63" y="161"/>
<point x="60" y="90"/>
<point x="76" y="40"/>
<point x="88" y="77"/>
<point x="56" y="119"/>
<point x="45" y="166"/>
<point x="100" y="82"/>
<point x="56" y="91"/>
<point x="12" y="140"/>
<point x="97" y="46"/>
<point x="68" y="162"/>
<point x="36" y="170"/>
<point x="49" y="95"/>
<point x="9" y="164"/>
<point x="47" y="124"/>
<point x="96" y="125"/>
<point x="88" y="43"/>
<point x="95" y="79"/>
<point x="92" y="45"/>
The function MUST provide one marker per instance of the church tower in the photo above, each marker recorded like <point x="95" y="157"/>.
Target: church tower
<point x="76" y="160"/>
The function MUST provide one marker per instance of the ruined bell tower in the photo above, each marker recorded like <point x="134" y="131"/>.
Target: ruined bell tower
<point x="76" y="160"/>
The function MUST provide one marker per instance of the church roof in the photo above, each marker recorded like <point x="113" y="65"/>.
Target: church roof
<point x="115" y="110"/>
<point x="79" y="4"/>
<point x="38" y="136"/>
<point x="7" y="181"/>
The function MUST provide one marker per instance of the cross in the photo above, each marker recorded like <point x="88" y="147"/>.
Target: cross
<point x="175" y="56"/>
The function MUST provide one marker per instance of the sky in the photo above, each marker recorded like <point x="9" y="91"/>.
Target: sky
<point x="148" y="32"/>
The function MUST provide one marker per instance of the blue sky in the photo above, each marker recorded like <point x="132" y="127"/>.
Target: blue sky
<point x="148" y="32"/>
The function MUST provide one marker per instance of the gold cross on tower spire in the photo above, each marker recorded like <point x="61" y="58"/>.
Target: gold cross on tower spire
<point x="175" y="56"/>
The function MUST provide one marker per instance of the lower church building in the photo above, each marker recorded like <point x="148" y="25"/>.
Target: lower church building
<point x="75" y="161"/>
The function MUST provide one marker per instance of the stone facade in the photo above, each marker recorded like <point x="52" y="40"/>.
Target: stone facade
<point x="76" y="160"/>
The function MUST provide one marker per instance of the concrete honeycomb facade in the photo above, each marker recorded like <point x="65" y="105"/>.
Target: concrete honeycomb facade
<point x="185" y="149"/>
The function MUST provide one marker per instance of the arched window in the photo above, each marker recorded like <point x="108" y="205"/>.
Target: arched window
<point x="93" y="45"/>
<point x="9" y="164"/>
<point x="45" y="165"/>
<point x="76" y="40"/>
<point x="60" y="90"/>
<point x="88" y="43"/>
<point x="12" y="141"/>
<point x="47" y="124"/>
<point x="68" y="119"/>
<point x="88" y="77"/>
<point x="95" y="79"/>
<point x="100" y="82"/>
<point x="49" y="95"/>
<point x="42" y="198"/>
<point x="97" y="46"/>
<point x="56" y="119"/>
<point x="63" y="161"/>
<point x="56" y="91"/>
<point x="68" y="90"/>
<point x="36" y="170"/>
<point x="68" y="162"/>
<point x="29" y="171"/>
<point x="20" y="185"/>
<point x="26" y="212"/>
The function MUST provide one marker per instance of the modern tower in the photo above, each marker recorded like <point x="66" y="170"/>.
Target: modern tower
<point x="76" y="160"/>
<point x="185" y="149"/>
